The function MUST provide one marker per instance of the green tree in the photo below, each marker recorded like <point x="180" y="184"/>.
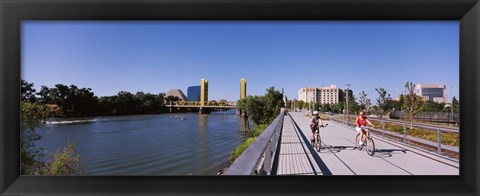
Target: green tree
<point x="353" y="106"/>
<point x="325" y="107"/>
<point x="170" y="99"/>
<point x="27" y="91"/>
<point x="253" y="108"/>
<point x="412" y="103"/>
<point x="456" y="105"/>
<point x="273" y="103"/>
<point x="289" y="104"/>
<point x="430" y="106"/>
<point x="383" y="103"/>
<point x="262" y="109"/>
<point x="65" y="162"/>
<point x="44" y="95"/>
<point x="32" y="116"/>
<point x="364" y="102"/>
<point x="338" y="107"/>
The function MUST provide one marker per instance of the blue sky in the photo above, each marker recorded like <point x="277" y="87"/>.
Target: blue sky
<point x="155" y="56"/>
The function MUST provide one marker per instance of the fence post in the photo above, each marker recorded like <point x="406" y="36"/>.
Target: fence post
<point x="439" y="142"/>
<point x="383" y="128"/>
<point x="404" y="134"/>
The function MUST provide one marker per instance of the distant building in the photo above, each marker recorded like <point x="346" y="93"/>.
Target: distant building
<point x="432" y="92"/>
<point x="177" y="93"/>
<point x="307" y="94"/>
<point x="323" y="95"/>
<point x="193" y="93"/>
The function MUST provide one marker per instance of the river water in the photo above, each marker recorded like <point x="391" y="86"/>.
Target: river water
<point x="148" y="144"/>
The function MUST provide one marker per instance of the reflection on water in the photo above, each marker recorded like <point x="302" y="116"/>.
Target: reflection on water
<point x="148" y="144"/>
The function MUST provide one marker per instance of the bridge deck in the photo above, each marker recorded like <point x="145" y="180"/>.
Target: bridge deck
<point x="295" y="157"/>
<point x="340" y="157"/>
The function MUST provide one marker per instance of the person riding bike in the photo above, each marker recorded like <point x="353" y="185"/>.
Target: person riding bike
<point x="315" y="123"/>
<point x="362" y="121"/>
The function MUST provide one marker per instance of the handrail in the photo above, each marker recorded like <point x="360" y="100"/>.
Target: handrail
<point x="439" y="130"/>
<point x="427" y="126"/>
<point x="257" y="159"/>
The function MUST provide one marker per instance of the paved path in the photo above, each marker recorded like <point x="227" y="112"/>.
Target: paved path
<point x="340" y="157"/>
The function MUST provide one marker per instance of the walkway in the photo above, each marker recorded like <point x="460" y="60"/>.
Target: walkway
<point x="340" y="157"/>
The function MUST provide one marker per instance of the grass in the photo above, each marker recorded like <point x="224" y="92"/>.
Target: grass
<point x="251" y="136"/>
<point x="452" y="139"/>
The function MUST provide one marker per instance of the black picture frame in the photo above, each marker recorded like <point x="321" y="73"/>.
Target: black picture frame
<point x="12" y="12"/>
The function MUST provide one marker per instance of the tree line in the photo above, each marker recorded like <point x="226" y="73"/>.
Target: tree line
<point x="74" y="101"/>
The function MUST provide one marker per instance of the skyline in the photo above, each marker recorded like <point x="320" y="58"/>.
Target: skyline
<point x="157" y="56"/>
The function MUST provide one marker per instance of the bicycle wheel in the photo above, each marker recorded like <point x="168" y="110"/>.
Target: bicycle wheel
<point x="370" y="147"/>
<point x="357" y="139"/>
<point x="319" y="142"/>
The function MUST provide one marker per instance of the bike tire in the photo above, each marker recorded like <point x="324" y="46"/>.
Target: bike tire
<point x="370" y="147"/>
<point x="357" y="139"/>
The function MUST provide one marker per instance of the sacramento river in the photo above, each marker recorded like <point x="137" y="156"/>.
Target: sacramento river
<point x="148" y="144"/>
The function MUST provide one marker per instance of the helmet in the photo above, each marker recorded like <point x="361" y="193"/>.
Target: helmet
<point x="315" y="112"/>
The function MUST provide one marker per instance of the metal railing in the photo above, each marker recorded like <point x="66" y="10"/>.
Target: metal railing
<point x="257" y="159"/>
<point x="219" y="104"/>
<point x="439" y="130"/>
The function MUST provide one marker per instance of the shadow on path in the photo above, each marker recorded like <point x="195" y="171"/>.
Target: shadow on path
<point x="323" y="167"/>
<point x="389" y="152"/>
<point x="336" y="149"/>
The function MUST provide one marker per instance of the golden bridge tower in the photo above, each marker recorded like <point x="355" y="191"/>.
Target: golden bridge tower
<point x="243" y="88"/>
<point x="203" y="92"/>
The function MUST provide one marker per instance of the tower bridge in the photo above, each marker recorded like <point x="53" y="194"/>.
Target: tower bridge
<point x="204" y="105"/>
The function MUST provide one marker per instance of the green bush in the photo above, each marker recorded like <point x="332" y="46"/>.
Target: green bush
<point x="241" y="148"/>
<point x="64" y="162"/>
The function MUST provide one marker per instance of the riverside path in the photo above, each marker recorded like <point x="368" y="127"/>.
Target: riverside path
<point x="340" y="156"/>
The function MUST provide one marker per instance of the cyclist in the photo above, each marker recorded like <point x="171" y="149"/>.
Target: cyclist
<point x="314" y="124"/>
<point x="361" y="122"/>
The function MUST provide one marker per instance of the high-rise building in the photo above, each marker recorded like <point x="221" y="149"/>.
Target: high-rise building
<point x="330" y="95"/>
<point x="243" y="88"/>
<point x="176" y="93"/>
<point x="432" y="92"/>
<point x="203" y="91"/>
<point x="307" y="94"/>
<point x="323" y="95"/>
<point x="193" y="93"/>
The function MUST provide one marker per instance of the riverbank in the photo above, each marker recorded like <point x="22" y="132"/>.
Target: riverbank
<point x="250" y="138"/>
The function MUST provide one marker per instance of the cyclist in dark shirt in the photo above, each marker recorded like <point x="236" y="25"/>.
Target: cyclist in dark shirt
<point x="315" y="123"/>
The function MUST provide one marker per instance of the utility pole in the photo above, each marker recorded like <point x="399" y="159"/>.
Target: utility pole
<point x="348" y="122"/>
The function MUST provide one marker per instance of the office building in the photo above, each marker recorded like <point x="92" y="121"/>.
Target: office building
<point x="432" y="92"/>
<point x="323" y="95"/>
<point x="193" y="93"/>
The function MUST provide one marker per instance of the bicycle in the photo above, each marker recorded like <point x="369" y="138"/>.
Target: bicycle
<point x="317" y="143"/>
<point x="368" y="141"/>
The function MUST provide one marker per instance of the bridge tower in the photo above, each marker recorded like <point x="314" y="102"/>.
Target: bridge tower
<point x="243" y="88"/>
<point x="203" y="95"/>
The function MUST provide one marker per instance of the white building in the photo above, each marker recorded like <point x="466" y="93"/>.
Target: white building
<point x="323" y="95"/>
<point x="433" y="92"/>
<point x="308" y="94"/>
